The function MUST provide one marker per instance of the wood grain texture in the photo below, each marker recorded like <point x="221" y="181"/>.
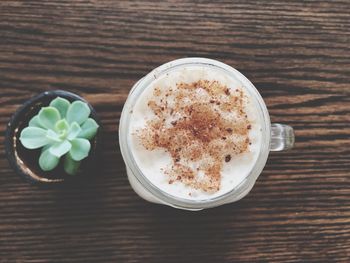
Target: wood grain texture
<point x="297" y="53"/>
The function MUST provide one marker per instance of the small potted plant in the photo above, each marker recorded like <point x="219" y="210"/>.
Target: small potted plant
<point x="53" y="138"/>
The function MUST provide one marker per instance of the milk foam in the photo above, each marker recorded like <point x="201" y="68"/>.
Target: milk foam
<point x="151" y="163"/>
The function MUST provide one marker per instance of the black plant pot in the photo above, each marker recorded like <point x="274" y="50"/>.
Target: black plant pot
<point x="25" y="161"/>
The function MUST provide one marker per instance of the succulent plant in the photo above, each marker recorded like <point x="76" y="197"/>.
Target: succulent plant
<point x="62" y="129"/>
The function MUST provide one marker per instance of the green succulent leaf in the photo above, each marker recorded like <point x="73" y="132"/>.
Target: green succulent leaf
<point x="34" y="137"/>
<point x="61" y="148"/>
<point x="78" y="112"/>
<point x="70" y="166"/>
<point x="46" y="147"/>
<point x="48" y="116"/>
<point x="34" y="122"/>
<point x="61" y="126"/>
<point x="48" y="161"/>
<point x="61" y="105"/>
<point x="80" y="149"/>
<point x="89" y="129"/>
<point x="53" y="136"/>
<point x="74" y="130"/>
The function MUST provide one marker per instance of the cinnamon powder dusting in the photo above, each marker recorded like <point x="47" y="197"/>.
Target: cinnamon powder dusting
<point x="202" y="125"/>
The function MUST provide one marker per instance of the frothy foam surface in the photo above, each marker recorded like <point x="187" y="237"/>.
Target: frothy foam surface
<point x="165" y="120"/>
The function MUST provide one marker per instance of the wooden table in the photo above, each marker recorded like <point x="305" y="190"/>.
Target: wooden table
<point x="296" y="53"/>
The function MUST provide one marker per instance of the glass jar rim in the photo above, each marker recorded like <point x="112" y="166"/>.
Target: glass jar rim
<point x="163" y="196"/>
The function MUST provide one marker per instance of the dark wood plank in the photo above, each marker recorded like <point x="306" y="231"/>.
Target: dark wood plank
<point x="295" y="52"/>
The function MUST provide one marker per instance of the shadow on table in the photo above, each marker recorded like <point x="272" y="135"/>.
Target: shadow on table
<point x="104" y="218"/>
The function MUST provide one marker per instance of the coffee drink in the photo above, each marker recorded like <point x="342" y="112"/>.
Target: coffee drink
<point x="195" y="132"/>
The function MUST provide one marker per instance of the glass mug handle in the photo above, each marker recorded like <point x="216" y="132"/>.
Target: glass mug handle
<point x="282" y="137"/>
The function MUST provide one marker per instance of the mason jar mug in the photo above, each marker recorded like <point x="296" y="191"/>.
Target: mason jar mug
<point x="275" y="137"/>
